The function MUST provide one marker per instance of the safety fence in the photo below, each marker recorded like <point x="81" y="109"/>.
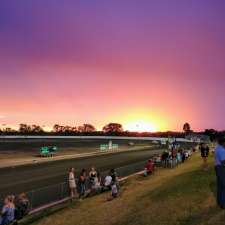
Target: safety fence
<point x="46" y="196"/>
<point x="57" y="192"/>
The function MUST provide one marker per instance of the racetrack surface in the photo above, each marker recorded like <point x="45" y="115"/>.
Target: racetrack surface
<point x="26" y="178"/>
<point x="28" y="149"/>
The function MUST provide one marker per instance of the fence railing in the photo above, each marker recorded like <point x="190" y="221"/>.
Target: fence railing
<point x="46" y="195"/>
<point x="56" y="192"/>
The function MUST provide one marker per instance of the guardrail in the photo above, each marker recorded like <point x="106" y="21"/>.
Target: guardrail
<point x="93" y="137"/>
<point x="55" y="193"/>
<point x="51" y="195"/>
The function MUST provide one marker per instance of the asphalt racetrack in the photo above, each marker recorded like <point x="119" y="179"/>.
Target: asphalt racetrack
<point x="30" y="177"/>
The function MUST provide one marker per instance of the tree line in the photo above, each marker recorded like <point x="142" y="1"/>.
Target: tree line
<point x="112" y="129"/>
<point x="26" y="129"/>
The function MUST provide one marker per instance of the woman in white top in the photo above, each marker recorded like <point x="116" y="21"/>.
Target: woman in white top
<point x="72" y="183"/>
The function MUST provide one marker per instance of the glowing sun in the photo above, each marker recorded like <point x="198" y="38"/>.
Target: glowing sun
<point x="140" y="126"/>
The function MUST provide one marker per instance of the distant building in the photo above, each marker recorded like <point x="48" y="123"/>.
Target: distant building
<point x="198" y="137"/>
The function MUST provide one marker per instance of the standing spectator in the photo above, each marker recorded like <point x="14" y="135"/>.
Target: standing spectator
<point x="183" y="155"/>
<point x="82" y="183"/>
<point x="92" y="176"/>
<point x="186" y="155"/>
<point x="72" y="183"/>
<point x="174" y="155"/>
<point x="7" y="215"/>
<point x="114" y="190"/>
<point x="220" y="172"/>
<point x="179" y="156"/>
<point x="204" y="154"/>
<point x="165" y="158"/>
<point x="96" y="183"/>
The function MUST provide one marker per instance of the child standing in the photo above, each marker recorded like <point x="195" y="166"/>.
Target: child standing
<point x="114" y="190"/>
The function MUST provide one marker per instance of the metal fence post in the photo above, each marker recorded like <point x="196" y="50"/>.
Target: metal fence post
<point x="31" y="199"/>
<point x="61" y="190"/>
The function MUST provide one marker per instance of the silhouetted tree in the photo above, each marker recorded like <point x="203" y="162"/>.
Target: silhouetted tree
<point x="57" y="128"/>
<point x="187" y="128"/>
<point x="113" y="127"/>
<point x="24" y="128"/>
<point x="86" y="128"/>
<point x="64" y="129"/>
<point x="8" y="130"/>
<point x="211" y="133"/>
<point x="29" y="129"/>
<point x="74" y="129"/>
<point x="36" y="129"/>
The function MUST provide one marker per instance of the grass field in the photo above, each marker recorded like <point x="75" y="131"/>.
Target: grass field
<point x="184" y="196"/>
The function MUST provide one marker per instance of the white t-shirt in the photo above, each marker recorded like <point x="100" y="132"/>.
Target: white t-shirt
<point x="108" y="180"/>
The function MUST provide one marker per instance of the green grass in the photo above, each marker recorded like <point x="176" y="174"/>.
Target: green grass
<point x="181" y="196"/>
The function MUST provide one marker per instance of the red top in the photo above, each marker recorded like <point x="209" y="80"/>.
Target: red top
<point x="150" y="166"/>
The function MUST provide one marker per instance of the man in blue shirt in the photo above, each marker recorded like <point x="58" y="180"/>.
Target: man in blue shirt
<point x="220" y="172"/>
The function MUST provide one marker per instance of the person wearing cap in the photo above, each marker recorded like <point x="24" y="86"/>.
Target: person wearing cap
<point x="220" y="172"/>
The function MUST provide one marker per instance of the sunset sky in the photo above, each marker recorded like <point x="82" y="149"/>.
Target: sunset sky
<point x="153" y="63"/>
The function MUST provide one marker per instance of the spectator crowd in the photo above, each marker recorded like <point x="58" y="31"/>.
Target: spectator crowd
<point x="171" y="159"/>
<point x="90" y="182"/>
<point x="14" y="209"/>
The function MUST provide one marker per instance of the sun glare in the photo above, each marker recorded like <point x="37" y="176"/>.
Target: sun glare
<point x="140" y="126"/>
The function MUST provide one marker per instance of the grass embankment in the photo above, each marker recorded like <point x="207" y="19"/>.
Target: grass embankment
<point x="185" y="196"/>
